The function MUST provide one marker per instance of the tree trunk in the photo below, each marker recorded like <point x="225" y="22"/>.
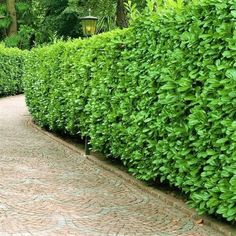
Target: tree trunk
<point x="11" y="8"/>
<point x="121" y="14"/>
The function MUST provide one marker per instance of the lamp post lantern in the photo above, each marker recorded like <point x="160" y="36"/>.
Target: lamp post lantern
<point x="89" y="24"/>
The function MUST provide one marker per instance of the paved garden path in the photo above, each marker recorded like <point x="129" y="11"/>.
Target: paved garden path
<point x="48" y="189"/>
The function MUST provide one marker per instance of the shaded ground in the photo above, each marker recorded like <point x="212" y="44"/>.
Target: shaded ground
<point x="48" y="189"/>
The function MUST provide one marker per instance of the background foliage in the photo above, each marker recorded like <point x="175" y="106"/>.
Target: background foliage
<point x="41" y="21"/>
<point x="25" y="24"/>
<point x="11" y="64"/>
<point x="160" y="96"/>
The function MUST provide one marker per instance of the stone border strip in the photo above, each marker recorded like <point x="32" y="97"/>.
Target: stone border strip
<point x="223" y="228"/>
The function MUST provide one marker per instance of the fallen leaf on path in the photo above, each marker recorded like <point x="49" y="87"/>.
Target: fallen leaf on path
<point x="199" y="222"/>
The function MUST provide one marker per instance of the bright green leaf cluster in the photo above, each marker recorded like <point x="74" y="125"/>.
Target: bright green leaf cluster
<point x="11" y="64"/>
<point x="160" y="96"/>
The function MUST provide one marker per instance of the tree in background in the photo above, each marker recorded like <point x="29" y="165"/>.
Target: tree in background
<point x="11" y="9"/>
<point x="121" y="11"/>
<point x="16" y="28"/>
<point x="121" y="15"/>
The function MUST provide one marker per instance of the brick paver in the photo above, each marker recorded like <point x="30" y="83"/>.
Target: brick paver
<point x="48" y="189"/>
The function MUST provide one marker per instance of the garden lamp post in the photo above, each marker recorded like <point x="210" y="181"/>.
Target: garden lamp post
<point x="89" y="24"/>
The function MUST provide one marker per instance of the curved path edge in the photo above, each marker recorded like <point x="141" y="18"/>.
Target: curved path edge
<point x="221" y="227"/>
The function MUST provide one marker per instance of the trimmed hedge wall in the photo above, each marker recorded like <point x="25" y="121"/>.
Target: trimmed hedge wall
<point x="161" y="96"/>
<point x="11" y="63"/>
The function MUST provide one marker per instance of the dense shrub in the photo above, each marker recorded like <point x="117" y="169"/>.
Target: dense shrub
<point x="11" y="63"/>
<point x="160" y="96"/>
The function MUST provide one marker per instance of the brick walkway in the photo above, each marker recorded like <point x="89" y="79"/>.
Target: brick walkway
<point x="48" y="189"/>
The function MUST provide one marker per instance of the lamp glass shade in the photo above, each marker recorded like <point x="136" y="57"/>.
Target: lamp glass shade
<point x="89" y="25"/>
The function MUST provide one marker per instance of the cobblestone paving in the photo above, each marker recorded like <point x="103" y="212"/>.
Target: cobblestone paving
<point x="47" y="189"/>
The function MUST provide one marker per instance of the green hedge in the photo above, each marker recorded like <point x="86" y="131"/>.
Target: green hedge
<point x="161" y="96"/>
<point x="11" y="63"/>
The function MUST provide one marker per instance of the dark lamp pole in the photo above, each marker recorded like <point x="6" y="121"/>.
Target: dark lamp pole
<point x="89" y="24"/>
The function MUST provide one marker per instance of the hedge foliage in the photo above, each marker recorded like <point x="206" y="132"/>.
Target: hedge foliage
<point x="11" y="64"/>
<point x="161" y="96"/>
